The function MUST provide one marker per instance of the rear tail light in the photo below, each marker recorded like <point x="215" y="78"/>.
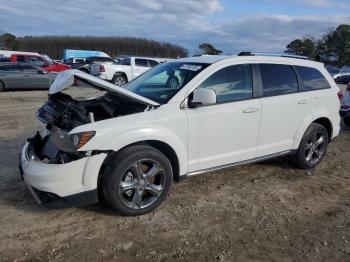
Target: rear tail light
<point x="340" y="95"/>
<point x="102" y="68"/>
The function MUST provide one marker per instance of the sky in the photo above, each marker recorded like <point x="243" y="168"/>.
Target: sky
<point x="230" y="25"/>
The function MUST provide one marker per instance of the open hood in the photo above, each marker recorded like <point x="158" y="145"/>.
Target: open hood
<point x="67" y="78"/>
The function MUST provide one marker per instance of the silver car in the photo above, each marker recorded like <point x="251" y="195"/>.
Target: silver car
<point x="24" y="76"/>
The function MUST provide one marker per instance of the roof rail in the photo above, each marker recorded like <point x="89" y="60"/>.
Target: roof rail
<point x="272" y="54"/>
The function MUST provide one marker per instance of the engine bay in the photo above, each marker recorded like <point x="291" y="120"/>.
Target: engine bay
<point x="61" y="113"/>
<point x="66" y="113"/>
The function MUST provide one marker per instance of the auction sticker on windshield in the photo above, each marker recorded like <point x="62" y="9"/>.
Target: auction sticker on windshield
<point x="191" y="67"/>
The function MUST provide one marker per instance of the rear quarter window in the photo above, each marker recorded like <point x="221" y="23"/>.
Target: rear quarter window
<point x="312" y="78"/>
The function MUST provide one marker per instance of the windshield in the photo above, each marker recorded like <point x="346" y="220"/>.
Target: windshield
<point x="162" y="82"/>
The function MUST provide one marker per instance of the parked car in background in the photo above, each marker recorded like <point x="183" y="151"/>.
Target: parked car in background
<point x="8" y="53"/>
<point x="24" y="76"/>
<point x="332" y="70"/>
<point x="342" y="79"/>
<point x="345" y="106"/>
<point x="40" y="61"/>
<point x="181" y="118"/>
<point x="126" y="69"/>
<point x="90" y="65"/>
<point x="341" y="71"/>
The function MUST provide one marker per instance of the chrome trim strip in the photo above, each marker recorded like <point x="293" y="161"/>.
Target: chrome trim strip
<point x="249" y="161"/>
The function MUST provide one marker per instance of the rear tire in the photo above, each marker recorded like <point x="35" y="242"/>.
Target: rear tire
<point x="119" y="80"/>
<point x="2" y="86"/>
<point x="137" y="180"/>
<point x="312" y="148"/>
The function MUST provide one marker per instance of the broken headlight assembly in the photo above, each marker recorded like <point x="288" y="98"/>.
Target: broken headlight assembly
<point x="81" y="139"/>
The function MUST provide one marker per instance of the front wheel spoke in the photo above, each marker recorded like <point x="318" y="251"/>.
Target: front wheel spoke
<point x="127" y="185"/>
<point x="137" y="199"/>
<point x="319" y="141"/>
<point x="155" y="170"/>
<point x="155" y="190"/>
<point x="137" y="169"/>
<point x="309" y="155"/>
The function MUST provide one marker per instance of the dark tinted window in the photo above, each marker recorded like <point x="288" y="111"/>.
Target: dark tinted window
<point x="152" y="63"/>
<point x="141" y="62"/>
<point x="29" y="69"/>
<point x="312" y="78"/>
<point x="125" y="61"/>
<point x="278" y="79"/>
<point x="232" y="83"/>
<point x="35" y="61"/>
<point x="7" y="68"/>
<point x="102" y="59"/>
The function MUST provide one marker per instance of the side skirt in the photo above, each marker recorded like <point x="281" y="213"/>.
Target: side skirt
<point x="249" y="161"/>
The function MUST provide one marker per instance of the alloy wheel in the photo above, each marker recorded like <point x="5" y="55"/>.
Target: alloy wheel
<point x="142" y="184"/>
<point x="315" y="147"/>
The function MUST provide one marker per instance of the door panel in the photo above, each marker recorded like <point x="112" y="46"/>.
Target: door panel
<point x="283" y="108"/>
<point x="281" y="117"/>
<point x="36" y="80"/>
<point x="12" y="76"/>
<point x="222" y="134"/>
<point x="226" y="132"/>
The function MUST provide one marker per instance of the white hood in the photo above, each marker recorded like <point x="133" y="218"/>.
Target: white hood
<point x="66" y="78"/>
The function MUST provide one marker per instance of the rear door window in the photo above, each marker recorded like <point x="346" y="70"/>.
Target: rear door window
<point x="141" y="62"/>
<point x="312" y="78"/>
<point x="152" y="63"/>
<point x="278" y="79"/>
<point x="29" y="69"/>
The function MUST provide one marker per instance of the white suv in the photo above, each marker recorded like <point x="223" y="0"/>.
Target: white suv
<point x="181" y="118"/>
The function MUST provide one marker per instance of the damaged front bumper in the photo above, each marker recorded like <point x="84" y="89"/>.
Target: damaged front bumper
<point x="55" y="185"/>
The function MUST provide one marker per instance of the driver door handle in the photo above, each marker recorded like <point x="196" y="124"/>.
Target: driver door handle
<point x="250" y="110"/>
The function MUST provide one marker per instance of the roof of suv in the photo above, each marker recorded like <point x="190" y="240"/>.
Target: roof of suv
<point x="210" y="59"/>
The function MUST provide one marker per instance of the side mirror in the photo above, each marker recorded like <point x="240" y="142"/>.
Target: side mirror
<point x="202" y="97"/>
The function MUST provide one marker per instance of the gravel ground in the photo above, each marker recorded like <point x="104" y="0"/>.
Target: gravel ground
<point x="261" y="212"/>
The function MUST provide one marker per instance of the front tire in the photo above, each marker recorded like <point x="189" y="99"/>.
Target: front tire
<point x="137" y="181"/>
<point x="312" y="148"/>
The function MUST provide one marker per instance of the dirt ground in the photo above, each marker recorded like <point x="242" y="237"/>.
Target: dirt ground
<point x="261" y="212"/>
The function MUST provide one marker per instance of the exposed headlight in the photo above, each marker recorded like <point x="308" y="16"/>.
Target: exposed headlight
<point x="80" y="139"/>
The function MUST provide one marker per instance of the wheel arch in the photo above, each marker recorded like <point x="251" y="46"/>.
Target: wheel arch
<point x="325" y="122"/>
<point x="119" y="73"/>
<point x="322" y="120"/>
<point x="163" y="147"/>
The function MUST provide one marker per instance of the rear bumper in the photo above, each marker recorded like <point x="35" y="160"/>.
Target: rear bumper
<point x="73" y="183"/>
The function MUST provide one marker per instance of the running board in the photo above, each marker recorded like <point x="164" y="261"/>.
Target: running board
<point x="250" y="161"/>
